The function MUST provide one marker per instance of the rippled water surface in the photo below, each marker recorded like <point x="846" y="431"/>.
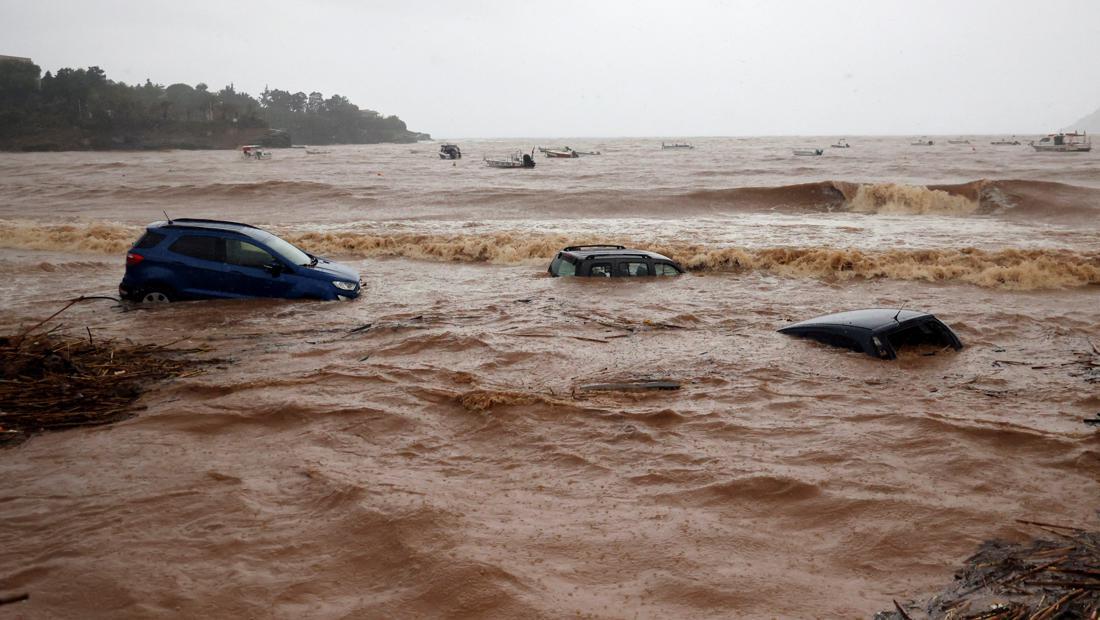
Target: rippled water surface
<point x="448" y="460"/>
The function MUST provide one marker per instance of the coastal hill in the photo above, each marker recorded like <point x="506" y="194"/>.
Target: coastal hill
<point x="1090" y="123"/>
<point x="79" y="109"/>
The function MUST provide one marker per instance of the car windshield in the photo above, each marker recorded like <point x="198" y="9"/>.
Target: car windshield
<point x="288" y="252"/>
<point x="562" y="267"/>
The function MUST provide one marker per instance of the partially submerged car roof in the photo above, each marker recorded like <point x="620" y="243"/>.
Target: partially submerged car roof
<point x="583" y="252"/>
<point x="195" y="223"/>
<point x="878" y="332"/>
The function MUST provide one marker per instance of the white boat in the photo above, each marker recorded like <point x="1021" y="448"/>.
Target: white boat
<point x="1006" y="142"/>
<point x="921" y="142"/>
<point x="958" y="141"/>
<point x="562" y="153"/>
<point x="841" y="144"/>
<point x="809" y="152"/>
<point x="1063" y="143"/>
<point x="676" y="145"/>
<point x="517" y="159"/>
<point x="565" y="151"/>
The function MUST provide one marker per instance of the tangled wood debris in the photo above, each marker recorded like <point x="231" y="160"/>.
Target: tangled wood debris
<point x="50" y="381"/>
<point x="1045" y="579"/>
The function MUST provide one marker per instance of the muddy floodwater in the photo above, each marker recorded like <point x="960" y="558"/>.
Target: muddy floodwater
<point x="433" y="450"/>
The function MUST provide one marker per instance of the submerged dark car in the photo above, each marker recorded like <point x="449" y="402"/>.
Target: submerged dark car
<point x="878" y="332"/>
<point x="611" y="261"/>
<point x="202" y="259"/>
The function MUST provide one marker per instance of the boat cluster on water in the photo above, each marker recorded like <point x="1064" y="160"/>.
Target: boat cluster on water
<point x="519" y="159"/>
<point x="1062" y="142"/>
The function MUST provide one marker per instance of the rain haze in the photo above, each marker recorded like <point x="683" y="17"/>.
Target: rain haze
<point x="496" y="69"/>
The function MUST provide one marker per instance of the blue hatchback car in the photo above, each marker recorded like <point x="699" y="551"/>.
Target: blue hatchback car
<point x="184" y="259"/>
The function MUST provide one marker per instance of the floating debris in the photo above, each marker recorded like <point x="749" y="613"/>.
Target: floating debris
<point x="1043" y="579"/>
<point x="52" y="382"/>
<point x="631" y="386"/>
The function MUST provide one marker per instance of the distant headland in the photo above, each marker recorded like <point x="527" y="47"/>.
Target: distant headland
<point x="1090" y="123"/>
<point x="81" y="109"/>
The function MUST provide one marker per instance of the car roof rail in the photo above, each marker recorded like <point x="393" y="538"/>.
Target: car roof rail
<point x="194" y="220"/>
<point x="597" y="245"/>
<point x="624" y="254"/>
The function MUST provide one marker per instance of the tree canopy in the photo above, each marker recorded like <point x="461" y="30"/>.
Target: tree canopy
<point x="86" y="99"/>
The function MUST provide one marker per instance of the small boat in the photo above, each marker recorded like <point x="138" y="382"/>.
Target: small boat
<point x="450" y="151"/>
<point x="563" y="153"/>
<point x="841" y="144"/>
<point x="809" y="152"/>
<point x="1006" y="142"/>
<point x="676" y="145"/>
<point x="1063" y="143"/>
<point x="254" y="151"/>
<point x="958" y="141"/>
<point x="517" y="159"/>
<point x="921" y="142"/>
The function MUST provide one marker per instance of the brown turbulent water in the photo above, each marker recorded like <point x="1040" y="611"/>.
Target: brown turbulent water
<point x="446" y="462"/>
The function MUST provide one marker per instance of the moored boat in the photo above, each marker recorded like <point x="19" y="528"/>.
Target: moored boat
<point x="921" y="142"/>
<point x="958" y="141"/>
<point x="565" y="151"/>
<point x="254" y="151"/>
<point x="676" y="145"/>
<point x="841" y="144"/>
<point x="517" y="159"/>
<point x="450" y="151"/>
<point x="1006" y="142"/>
<point x="809" y="152"/>
<point x="562" y="153"/>
<point x="1063" y="143"/>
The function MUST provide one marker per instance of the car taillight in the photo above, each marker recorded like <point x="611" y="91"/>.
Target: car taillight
<point x="133" y="259"/>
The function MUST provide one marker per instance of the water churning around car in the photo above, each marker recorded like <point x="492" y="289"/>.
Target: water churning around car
<point x="1033" y="268"/>
<point x="464" y="440"/>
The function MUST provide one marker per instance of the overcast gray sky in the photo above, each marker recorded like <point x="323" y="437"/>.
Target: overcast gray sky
<point x="467" y="68"/>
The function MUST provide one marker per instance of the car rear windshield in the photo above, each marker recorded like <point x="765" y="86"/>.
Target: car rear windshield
<point x="148" y="240"/>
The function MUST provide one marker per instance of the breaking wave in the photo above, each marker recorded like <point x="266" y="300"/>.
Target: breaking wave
<point x="101" y="238"/>
<point x="1012" y="268"/>
<point x="1012" y="199"/>
<point x="260" y="189"/>
<point x="1030" y="200"/>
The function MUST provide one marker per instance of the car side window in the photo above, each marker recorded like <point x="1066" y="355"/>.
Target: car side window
<point x="245" y="254"/>
<point x="200" y="247"/>
<point x="664" y="269"/>
<point x="836" y="340"/>
<point x="600" y="270"/>
<point x="633" y="268"/>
